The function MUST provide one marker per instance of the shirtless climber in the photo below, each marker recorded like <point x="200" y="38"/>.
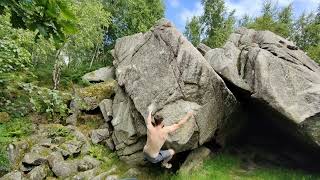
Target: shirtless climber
<point x="156" y="136"/>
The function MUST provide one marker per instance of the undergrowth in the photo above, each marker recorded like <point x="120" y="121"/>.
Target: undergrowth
<point x="13" y="130"/>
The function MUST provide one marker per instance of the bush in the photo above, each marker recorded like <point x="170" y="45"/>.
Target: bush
<point x="53" y="103"/>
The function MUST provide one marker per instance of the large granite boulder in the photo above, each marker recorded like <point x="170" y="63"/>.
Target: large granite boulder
<point x="161" y="67"/>
<point x="275" y="72"/>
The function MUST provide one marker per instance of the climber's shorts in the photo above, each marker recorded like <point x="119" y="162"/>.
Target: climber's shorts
<point x="161" y="156"/>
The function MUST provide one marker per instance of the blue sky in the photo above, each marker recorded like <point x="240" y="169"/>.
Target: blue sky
<point x="178" y="11"/>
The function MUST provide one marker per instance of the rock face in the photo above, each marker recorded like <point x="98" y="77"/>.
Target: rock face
<point x="163" y="68"/>
<point x="274" y="71"/>
<point x="99" y="75"/>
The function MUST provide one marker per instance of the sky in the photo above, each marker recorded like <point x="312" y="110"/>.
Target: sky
<point x="179" y="11"/>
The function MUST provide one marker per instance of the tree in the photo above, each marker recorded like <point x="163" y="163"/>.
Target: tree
<point x="279" y="22"/>
<point x="47" y="18"/>
<point x="193" y="30"/>
<point x="306" y="34"/>
<point x="217" y="23"/>
<point x="285" y="21"/>
<point x="244" y="21"/>
<point x="131" y="16"/>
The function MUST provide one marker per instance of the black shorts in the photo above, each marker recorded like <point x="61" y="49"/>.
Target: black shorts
<point x="161" y="156"/>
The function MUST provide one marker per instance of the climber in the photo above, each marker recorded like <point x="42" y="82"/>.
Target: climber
<point x="157" y="135"/>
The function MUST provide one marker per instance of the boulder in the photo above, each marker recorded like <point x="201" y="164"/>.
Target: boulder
<point x="16" y="150"/>
<point x="37" y="156"/>
<point x="38" y="173"/>
<point x="195" y="159"/>
<point x="98" y="135"/>
<point x="14" y="175"/>
<point x="161" y="67"/>
<point x="106" y="109"/>
<point x="70" y="148"/>
<point x="274" y="72"/>
<point x="63" y="169"/>
<point x="90" y="174"/>
<point x="80" y="137"/>
<point x="203" y="49"/>
<point x="88" y="163"/>
<point x="99" y="75"/>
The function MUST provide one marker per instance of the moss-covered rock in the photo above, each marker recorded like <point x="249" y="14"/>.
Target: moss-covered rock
<point x="88" y="98"/>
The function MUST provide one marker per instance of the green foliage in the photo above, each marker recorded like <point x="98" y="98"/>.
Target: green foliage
<point x="47" y="18"/>
<point x="13" y="57"/>
<point x="213" y="27"/>
<point x="193" y="30"/>
<point x="87" y="44"/>
<point x="10" y="131"/>
<point x="51" y="102"/>
<point x="58" y="130"/>
<point x="217" y="23"/>
<point x="306" y="34"/>
<point x="279" y="22"/>
<point x="13" y="99"/>
<point x="314" y="53"/>
<point x="132" y="16"/>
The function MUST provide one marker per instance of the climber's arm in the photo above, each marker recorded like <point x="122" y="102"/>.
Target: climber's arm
<point x="148" y="122"/>
<point x="178" y="125"/>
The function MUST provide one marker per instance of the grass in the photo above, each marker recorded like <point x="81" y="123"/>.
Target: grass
<point x="13" y="130"/>
<point x="227" y="167"/>
<point x="108" y="159"/>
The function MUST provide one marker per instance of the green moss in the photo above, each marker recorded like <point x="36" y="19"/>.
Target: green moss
<point x="99" y="91"/>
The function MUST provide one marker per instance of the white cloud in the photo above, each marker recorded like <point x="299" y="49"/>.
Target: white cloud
<point x="174" y="3"/>
<point x="253" y="8"/>
<point x="187" y="14"/>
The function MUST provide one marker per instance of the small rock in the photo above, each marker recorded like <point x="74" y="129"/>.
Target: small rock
<point x="101" y="176"/>
<point x="38" y="173"/>
<point x="112" y="177"/>
<point x="64" y="169"/>
<point x="34" y="159"/>
<point x="72" y="119"/>
<point x="45" y="142"/>
<point x="70" y="148"/>
<point x="86" y="174"/>
<point x="88" y="163"/>
<point x="16" y="151"/>
<point x="80" y="137"/>
<point x="58" y="140"/>
<point x="55" y="158"/>
<point x="98" y="135"/>
<point x="106" y="109"/>
<point x="195" y="159"/>
<point x="14" y="175"/>
<point x="132" y="172"/>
